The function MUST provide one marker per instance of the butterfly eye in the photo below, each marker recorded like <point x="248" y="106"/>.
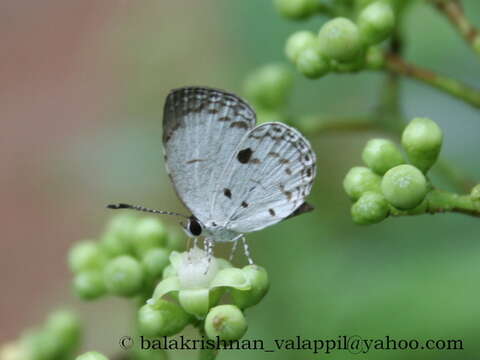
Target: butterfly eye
<point x="194" y="227"/>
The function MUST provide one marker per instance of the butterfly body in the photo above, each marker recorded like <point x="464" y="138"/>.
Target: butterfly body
<point x="219" y="233"/>
<point x="234" y="177"/>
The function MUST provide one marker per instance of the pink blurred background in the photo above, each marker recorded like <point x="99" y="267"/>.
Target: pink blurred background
<point x="66" y="70"/>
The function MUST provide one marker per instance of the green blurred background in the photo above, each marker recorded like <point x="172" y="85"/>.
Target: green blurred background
<point x="81" y="96"/>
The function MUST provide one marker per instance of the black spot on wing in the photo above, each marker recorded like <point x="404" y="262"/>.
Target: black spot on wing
<point x="227" y="193"/>
<point x="272" y="212"/>
<point x="244" y="204"/>
<point x="244" y="155"/>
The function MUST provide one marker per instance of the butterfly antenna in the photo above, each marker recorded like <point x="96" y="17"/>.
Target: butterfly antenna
<point x="144" y="209"/>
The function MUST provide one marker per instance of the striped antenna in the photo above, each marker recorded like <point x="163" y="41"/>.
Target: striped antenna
<point x="144" y="209"/>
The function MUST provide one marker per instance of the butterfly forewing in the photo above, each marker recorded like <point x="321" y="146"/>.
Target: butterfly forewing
<point x="202" y="127"/>
<point x="266" y="179"/>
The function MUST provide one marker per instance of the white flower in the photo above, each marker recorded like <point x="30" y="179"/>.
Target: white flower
<point x="197" y="281"/>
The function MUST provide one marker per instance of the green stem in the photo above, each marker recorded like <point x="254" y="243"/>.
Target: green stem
<point x="448" y="85"/>
<point x="208" y="354"/>
<point x="453" y="10"/>
<point x="205" y="354"/>
<point x="438" y="201"/>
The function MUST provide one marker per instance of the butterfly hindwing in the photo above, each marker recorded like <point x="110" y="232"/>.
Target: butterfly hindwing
<point x="202" y="127"/>
<point x="266" y="179"/>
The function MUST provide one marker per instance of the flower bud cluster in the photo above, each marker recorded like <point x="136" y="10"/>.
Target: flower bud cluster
<point x="58" y="338"/>
<point x="268" y="89"/>
<point x="127" y="261"/>
<point x="387" y="182"/>
<point x="342" y="44"/>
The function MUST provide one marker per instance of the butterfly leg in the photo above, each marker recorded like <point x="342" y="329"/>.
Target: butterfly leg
<point x="209" y="248"/>
<point x="232" y="252"/>
<point x="189" y="249"/>
<point x="247" y="250"/>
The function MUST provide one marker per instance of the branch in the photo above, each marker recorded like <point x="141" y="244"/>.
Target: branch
<point x="453" y="10"/>
<point x="205" y="354"/>
<point x="451" y="86"/>
<point x="319" y="125"/>
<point x="438" y="201"/>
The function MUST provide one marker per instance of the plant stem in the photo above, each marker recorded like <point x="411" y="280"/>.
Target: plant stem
<point x="208" y="354"/>
<point x="453" y="10"/>
<point x="438" y="201"/>
<point x="451" y="86"/>
<point x="205" y="354"/>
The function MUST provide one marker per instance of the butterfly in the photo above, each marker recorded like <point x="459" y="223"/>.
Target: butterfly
<point x="234" y="177"/>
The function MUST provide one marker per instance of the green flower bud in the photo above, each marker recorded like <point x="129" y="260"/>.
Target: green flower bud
<point x="376" y="22"/>
<point x="404" y="186"/>
<point x="148" y="354"/>
<point x="154" y="261"/>
<point x="163" y="319"/>
<point x="91" y="355"/>
<point x="123" y="276"/>
<point x="340" y="39"/>
<point x="89" y="285"/>
<point x="149" y="233"/>
<point x="299" y="41"/>
<point x="296" y="9"/>
<point x="118" y="236"/>
<point x="311" y="64"/>
<point x="175" y="240"/>
<point x="375" y="58"/>
<point x="371" y="208"/>
<point x="65" y="324"/>
<point x="86" y="255"/>
<point x="475" y="193"/>
<point x="39" y="345"/>
<point x="360" y="180"/>
<point x="397" y="5"/>
<point x="381" y="155"/>
<point x="269" y="86"/>
<point x="115" y="245"/>
<point x="259" y="283"/>
<point x="422" y="140"/>
<point x="225" y="321"/>
<point x="354" y="65"/>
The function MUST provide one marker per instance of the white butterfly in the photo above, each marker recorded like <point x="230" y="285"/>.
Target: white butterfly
<point x="233" y="176"/>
